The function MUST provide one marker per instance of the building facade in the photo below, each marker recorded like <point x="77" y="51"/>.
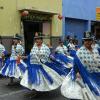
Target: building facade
<point x="80" y="16"/>
<point x="29" y="16"/>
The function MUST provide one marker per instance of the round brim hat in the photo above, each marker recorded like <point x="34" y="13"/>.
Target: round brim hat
<point x="17" y="36"/>
<point x="87" y="36"/>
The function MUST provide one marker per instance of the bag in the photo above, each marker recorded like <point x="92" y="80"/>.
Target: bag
<point x="71" y="89"/>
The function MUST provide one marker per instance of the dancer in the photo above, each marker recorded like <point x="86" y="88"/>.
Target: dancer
<point x="62" y="56"/>
<point x="87" y="66"/>
<point x="38" y="76"/>
<point x="14" y="67"/>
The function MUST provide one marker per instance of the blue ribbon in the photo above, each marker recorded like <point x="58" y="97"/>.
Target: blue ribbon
<point x="61" y="57"/>
<point x="58" y="68"/>
<point x="58" y="60"/>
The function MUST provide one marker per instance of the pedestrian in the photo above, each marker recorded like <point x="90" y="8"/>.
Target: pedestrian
<point x="14" y="66"/>
<point x="38" y="76"/>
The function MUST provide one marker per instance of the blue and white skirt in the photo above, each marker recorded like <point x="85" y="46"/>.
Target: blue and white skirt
<point x="12" y="69"/>
<point x="41" y="78"/>
<point x="58" y="67"/>
<point x="66" y="61"/>
<point x="91" y="79"/>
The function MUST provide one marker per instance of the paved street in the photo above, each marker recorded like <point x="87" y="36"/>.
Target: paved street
<point x="17" y="92"/>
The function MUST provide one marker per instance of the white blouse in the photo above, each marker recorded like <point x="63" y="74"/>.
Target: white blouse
<point x="17" y="50"/>
<point x="39" y="54"/>
<point x="71" y="46"/>
<point x="62" y="49"/>
<point x="91" y="60"/>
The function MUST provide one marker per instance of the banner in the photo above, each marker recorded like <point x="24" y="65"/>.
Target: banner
<point x="98" y="13"/>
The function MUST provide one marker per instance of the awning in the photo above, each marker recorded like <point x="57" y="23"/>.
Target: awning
<point x="38" y="11"/>
<point x="37" y="15"/>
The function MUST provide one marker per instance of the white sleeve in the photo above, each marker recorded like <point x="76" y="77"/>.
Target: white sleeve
<point x="57" y="49"/>
<point x="65" y="50"/>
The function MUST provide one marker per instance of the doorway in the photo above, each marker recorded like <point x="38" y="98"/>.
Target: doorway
<point x="97" y="32"/>
<point x="29" y="31"/>
<point x="95" y="28"/>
